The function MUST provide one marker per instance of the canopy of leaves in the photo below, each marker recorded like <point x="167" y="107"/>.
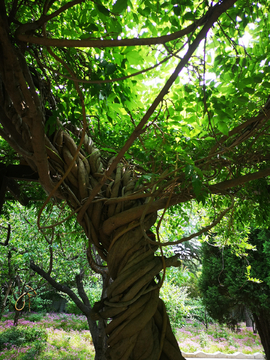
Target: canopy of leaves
<point x="209" y="128"/>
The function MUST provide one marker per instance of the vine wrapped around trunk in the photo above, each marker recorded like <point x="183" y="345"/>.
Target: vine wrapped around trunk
<point x="139" y="326"/>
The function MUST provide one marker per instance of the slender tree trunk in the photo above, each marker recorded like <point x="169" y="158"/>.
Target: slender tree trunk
<point x="20" y="305"/>
<point x="3" y="305"/>
<point x="262" y="322"/>
<point x="248" y="319"/>
<point x="99" y="339"/>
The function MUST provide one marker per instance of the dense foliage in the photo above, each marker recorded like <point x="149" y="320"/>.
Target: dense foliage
<point x="231" y="282"/>
<point x="60" y="253"/>
<point x="122" y="108"/>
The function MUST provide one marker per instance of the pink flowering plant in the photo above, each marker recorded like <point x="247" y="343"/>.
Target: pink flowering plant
<point x="218" y="338"/>
<point x="21" y="337"/>
<point x="67" y="337"/>
<point x="46" y="336"/>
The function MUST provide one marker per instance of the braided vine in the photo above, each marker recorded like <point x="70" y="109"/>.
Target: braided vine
<point x="138" y="325"/>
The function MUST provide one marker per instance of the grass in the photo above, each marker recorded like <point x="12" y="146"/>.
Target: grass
<point x="218" y="338"/>
<point x="69" y="338"/>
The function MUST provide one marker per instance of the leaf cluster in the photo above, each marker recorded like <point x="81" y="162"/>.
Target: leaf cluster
<point x="231" y="279"/>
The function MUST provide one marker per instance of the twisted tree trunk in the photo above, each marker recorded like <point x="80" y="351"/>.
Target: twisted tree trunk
<point x="140" y="328"/>
<point x="111" y="214"/>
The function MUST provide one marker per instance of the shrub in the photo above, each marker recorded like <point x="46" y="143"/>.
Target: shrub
<point x="203" y="339"/>
<point x="174" y="299"/>
<point x="20" y="336"/>
<point x="40" y="304"/>
<point x="198" y="311"/>
<point x="35" y="317"/>
<point x="72" y="308"/>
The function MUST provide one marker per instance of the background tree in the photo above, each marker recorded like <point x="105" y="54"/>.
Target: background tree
<point x="57" y="255"/>
<point x="229" y="279"/>
<point x="81" y="104"/>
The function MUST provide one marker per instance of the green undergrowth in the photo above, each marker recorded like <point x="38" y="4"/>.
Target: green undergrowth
<point x="46" y="337"/>
<point x="195" y="337"/>
<point x="66" y="336"/>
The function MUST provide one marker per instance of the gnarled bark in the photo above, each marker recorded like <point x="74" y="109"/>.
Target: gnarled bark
<point x="140" y="328"/>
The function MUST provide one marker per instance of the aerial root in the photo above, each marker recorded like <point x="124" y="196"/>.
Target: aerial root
<point x="141" y="346"/>
<point x="110" y="312"/>
<point x="144" y="280"/>
<point x="133" y="301"/>
<point x="125" y="247"/>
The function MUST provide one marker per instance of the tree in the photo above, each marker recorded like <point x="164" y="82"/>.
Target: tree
<point x="53" y="254"/>
<point x="229" y="280"/>
<point x="81" y="104"/>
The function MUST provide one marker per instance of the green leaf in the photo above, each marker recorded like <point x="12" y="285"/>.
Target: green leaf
<point x="188" y="16"/>
<point x="242" y="100"/>
<point x="134" y="57"/>
<point x="196" y="184"/>
<point x="115" y="26"/>
<point x="109" y="150"/>
<point x="144" y="12"/>
<point x="266" y="85"/>
<point x="222" y="126"/>
<point x="103" y="10"/>
<point x="85" y="36"/>
<point x="177" y="10"/>
<point x="120" y="6"/>
<point x="189" y="169"/>
<point x="249" y="90"/>
<point x="110" y="68"/>
<point x="91" y="28"/>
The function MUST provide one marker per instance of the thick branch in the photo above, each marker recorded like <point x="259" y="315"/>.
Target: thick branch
<point x="24" y="104"/>
<point x="135" y="213"/>
<point x="84" y="308"/>
<point x="81" y="291"/>
<point x="228" y="184"/>
<point x="213" y="15"/>
<point x="19" y="172"/>
<point x="22" y="36"/>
